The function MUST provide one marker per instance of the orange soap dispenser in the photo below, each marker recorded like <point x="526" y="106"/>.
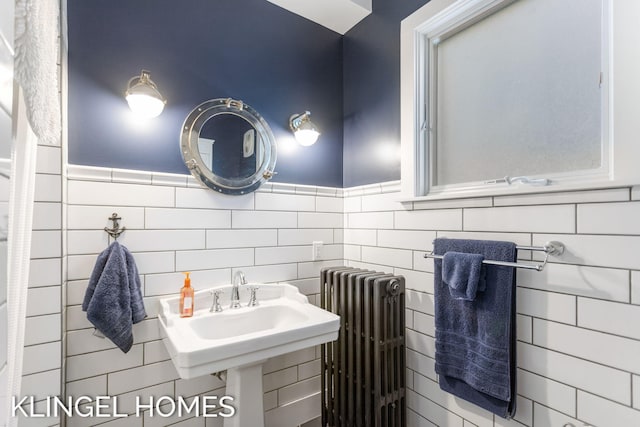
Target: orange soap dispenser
<point x="186" y="297"/>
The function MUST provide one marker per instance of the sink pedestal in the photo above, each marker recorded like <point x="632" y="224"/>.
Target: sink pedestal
<point x="244" y="384"/>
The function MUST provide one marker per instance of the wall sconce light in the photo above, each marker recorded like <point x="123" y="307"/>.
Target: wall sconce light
<point x="305" y="131"/>
<point x="143" y="96"/>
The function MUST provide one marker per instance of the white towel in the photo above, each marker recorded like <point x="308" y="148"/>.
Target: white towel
<point x="36" y="65"/>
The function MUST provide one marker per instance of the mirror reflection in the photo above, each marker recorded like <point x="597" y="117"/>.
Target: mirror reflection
<point x="230" y="147"/>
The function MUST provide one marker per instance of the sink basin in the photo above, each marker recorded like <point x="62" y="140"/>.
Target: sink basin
<point x="284" y="321"/>
<point x="240" y="323"/>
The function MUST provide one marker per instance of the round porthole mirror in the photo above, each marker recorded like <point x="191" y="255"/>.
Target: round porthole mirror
<point x="228" y="146"/>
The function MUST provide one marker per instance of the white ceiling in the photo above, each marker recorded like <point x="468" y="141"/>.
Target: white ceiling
<point x="337" y="15"/>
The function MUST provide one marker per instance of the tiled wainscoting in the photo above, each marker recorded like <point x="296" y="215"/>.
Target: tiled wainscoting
<point x="579" y="344"/>
<point x="43" y="352"/>
<point x="173" y="225"/>
<point x="578" y="334"/>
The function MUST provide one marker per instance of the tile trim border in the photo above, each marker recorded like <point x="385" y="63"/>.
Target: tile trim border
<point x="129" y="176"/>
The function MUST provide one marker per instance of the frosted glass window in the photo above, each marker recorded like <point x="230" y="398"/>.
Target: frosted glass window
<point x="519" y="93"/>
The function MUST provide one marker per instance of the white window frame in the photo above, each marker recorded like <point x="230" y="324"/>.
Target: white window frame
<point x="621" y="96"/>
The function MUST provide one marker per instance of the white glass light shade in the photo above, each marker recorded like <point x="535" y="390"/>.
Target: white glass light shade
<point x="145" y="105"/>
<point x="304" y="130"/>
<point x="143" y="96"/>
<point x="307" y="137"/>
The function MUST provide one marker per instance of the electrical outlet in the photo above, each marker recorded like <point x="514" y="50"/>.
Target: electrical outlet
<point x="316" y="248"/>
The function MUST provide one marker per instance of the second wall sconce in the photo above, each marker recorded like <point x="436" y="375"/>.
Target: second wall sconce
<point x="143" y="96"/>
<point x="305" y="131"/>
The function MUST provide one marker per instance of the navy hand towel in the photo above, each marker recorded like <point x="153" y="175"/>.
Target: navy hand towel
<point x="113" y="300"/>
<point x="475" y="340"/>
<point x="463" y="273"/>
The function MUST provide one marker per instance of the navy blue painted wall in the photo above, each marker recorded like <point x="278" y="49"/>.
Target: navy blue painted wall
<point x="372" y="94"/>
<point x="277" y="62"/>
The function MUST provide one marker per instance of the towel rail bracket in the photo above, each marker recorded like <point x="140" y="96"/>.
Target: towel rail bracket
<point x="552" y="248"/>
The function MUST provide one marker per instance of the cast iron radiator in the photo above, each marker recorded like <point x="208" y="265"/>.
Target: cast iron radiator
<point x="363" y="371"/>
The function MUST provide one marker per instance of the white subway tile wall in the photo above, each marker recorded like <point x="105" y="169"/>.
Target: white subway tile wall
<point x="42" y="375"/>
<point x="171" y="228"/>
<point x="577" y="323"/>
<point x="578" y="344"/>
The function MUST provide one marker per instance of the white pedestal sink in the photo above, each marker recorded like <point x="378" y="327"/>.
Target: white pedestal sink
<point x="239" y="340"/>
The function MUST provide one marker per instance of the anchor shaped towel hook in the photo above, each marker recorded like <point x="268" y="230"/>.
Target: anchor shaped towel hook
<point x="116" y="230"/>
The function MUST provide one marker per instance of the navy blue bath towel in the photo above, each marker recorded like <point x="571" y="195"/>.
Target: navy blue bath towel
<point x="464" y="274"/>
<point x="475" y="340"/>
<point x="113" y="300"/>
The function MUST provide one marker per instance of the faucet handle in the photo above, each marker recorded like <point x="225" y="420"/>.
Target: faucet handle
<point x="215" y="305"/>
<point x="253" y="300"/>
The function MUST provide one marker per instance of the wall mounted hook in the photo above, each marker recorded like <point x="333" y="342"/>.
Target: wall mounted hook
<point x="115" y="231"/>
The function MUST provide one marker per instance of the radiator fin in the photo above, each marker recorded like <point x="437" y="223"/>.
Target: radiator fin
<point x="363" y="371"/>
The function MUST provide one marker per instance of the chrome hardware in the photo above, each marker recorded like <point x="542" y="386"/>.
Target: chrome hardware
<point x="553" y="248"/>
<point x="526" y="180"/>
<point x="221" y="376"/>
<point x="192" y="164"/>
<point x="238" y="280"/>
<point x="232" y="103"/>
<point x="215" y="304"/>
<point x="115" y="231"/>
<point x="253" y="300"/>
<point x="520" y="179"/>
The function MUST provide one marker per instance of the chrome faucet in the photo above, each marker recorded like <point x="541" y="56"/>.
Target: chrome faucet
<point x="215" y="304"/>
<point x="238" y="280"/>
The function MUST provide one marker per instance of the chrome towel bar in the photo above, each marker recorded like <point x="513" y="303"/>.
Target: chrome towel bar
<point x="552" y="248"/>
